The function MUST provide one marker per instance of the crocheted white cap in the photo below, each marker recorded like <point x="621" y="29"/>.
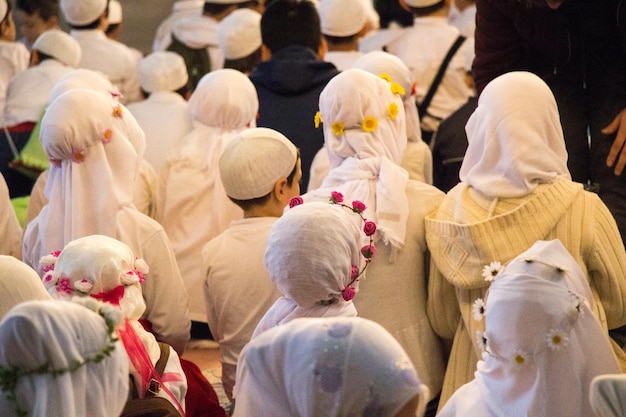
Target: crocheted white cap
<point x="59" y="45"/>
<point x="3" y="9"/>
<point x="421" y="3"/>
<point x="82" y="12"/>
<point x="226" y="1"/>
<point x="239" y="34"/>
<point x="162" y="71"/>
<point x="254" y="160"/>
<point x="115" y="12"/>
<point x="342" y="17"/>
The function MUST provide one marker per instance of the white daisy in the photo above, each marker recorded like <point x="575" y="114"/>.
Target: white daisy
<point x="492" y="270"/>
<point x="481" y="340"/>
<point x="478" y="309"/>
<point x="556" y="339"/>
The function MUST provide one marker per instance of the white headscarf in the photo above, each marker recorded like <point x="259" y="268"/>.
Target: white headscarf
<point x="365" y="164"/>
<point x="95" y="155"/>
<point x="543" y="343"/>
<point x="18" y="283"/>
<point x="515" y="138"/>
<point x="60" y="334"/>
<point x="309" y="256"/>
<point x="608" y="395"/>
<point x="325" y="367"/>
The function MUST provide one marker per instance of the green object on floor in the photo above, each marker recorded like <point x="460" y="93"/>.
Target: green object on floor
<point x="20" y="204"/>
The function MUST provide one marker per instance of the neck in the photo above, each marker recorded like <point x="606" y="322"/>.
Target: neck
<point x="344" y="47"/>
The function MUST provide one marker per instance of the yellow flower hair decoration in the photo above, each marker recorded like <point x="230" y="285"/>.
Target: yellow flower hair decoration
<point x="317" y="119"/>
<point x="397" y="89"/>
<point x="369" y="124"/>
<point x="385" y="77"/>
<point x="393" y="111"/>
<point x="337" y="128"/>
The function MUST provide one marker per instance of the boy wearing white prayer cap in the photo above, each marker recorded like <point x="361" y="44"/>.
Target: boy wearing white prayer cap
<point x="164" y="115"/>
<point x="343" y="22"/>
<point x="260" y="170"/>
<point x="54" y="54"/>
<point x="88" y="21"/>
<point x="239" y="38"/>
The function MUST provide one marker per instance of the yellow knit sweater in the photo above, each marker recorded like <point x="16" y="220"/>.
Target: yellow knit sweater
<point x="469" y="231"/>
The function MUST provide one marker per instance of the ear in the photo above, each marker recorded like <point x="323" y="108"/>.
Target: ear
<point x="404" y="5"/>
<point x="280" y="189"/>
<point x="34" y="58"/>
<point x="323" y="48"/>
<point x="52" y="22"/>
<point x="266" y="54"/>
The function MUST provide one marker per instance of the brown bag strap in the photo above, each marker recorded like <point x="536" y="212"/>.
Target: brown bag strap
<point x="153" y="385"/>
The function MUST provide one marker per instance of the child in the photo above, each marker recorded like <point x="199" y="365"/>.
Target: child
<point x="260" y="170"/>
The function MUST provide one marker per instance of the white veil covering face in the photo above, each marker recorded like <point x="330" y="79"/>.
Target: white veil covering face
<point x="95" y="155"/>
<point x="61" y="335"/>
<point x="309" y="256"/>
<point x="515" y="138"/>
<point x="365" y="136"/>
<point x="18" y="283"/>
<point x="542" y="343"/>
<point x="326" y="367"/>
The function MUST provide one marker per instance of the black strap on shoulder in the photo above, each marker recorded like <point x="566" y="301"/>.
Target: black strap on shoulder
<point x="423" y="106"/>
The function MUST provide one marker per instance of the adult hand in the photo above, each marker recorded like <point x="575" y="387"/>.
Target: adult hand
<point x="616" y="153"/>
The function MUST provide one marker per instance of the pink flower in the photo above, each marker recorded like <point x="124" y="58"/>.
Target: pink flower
<point x="107" y="136"/>
<point x="295" y="201"/>
<point x="348" y="293"/>
<point x="55" y="162"/>
<point x="118" y="111"/>
<point x="369" y="228"/>
<point x="368" y="251"/>
<point x="358" y="206"/>
<point x="64" y="286"/>
<point x="336" y="197"/>
<point x="355" y="272"/>
<point x="134" y="272"/>
<point x="79" y="155"/>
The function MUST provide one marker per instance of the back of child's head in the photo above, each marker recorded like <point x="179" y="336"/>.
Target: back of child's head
<point x="83" y="14"/>
<point x="342" y="19"/>
<point x="162" y="71"/>
<point x="46" y="9"/>
<point x="239" y="38"/>
<point x="59" y="45"/>
<point x="253" y="161"/>
<point x="424" y="7"/>
<point x="291" y="22"/>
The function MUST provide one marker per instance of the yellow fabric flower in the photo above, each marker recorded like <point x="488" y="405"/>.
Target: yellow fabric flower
<point x="337" y="128"/>
<point x="393" y="111"/>
<point x="370" y="124"/>
<point x="397" y="89"/>
<point x="385" y="77"/>
<point x="317" y="119"/>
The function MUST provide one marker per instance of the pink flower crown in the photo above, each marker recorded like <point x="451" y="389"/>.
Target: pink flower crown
<point x="369" y="228"/>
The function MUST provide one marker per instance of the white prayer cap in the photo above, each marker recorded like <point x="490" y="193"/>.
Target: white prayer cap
<point x="82" y="12"/>
<point x="60" y="46"/>
<point x="162" y="71"/>
<point x="239" y="34"/>
<point x="18" y="283"/>
<point x="226" y="1"/>
<point x="3" y="9"/>
<point x="254" y="160"/>
<point x="115" y="12"/>
<point x="422" y="3"/>
<point x="342" y="17"/>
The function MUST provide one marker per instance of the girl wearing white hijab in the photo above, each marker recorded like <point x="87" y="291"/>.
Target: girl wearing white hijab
<point x="515" y="189"/>
<point x="145" y="187"/>
<point x="106" y="269"/>
<point x="193" y="206"/>
<point x="9" y="224"/>
<point x="327" y="367"/>
<point x="309" y="256"/>
<point x="542" y="345"/>
<point x="417" y="158"/>
<point x="608" y="395"/>
<point x="18" y="283"/>
<point x="365" y="136"/>
<point x="95" y="155"/>
<point x="62" y="359"/>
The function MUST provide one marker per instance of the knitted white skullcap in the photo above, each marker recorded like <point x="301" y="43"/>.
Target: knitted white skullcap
<point x="115" y="12"/>
<point x="226" y="1"/>
<point x="3" y="9"/>
<point x="239" y="33"/>
<point x="422" y="3"/>
<point x="254" y="160"/>
<point x="162" y="71"/>
<point x="342" y="17"/>
<point x="82" y="12"/>
<point x="60" y="46"/>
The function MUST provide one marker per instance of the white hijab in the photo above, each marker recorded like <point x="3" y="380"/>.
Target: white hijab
<point x="18" y="283"/>
<point x="364" y="165"/>
<point x="309" y="256"/>
<point x="515" y="138"/>
<point x="95" y="155"/>
<point x="58" y="334"/>
<point x="325" y="367"/>
<point x="543" y="343"/>
<point x="608" y="395"/>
